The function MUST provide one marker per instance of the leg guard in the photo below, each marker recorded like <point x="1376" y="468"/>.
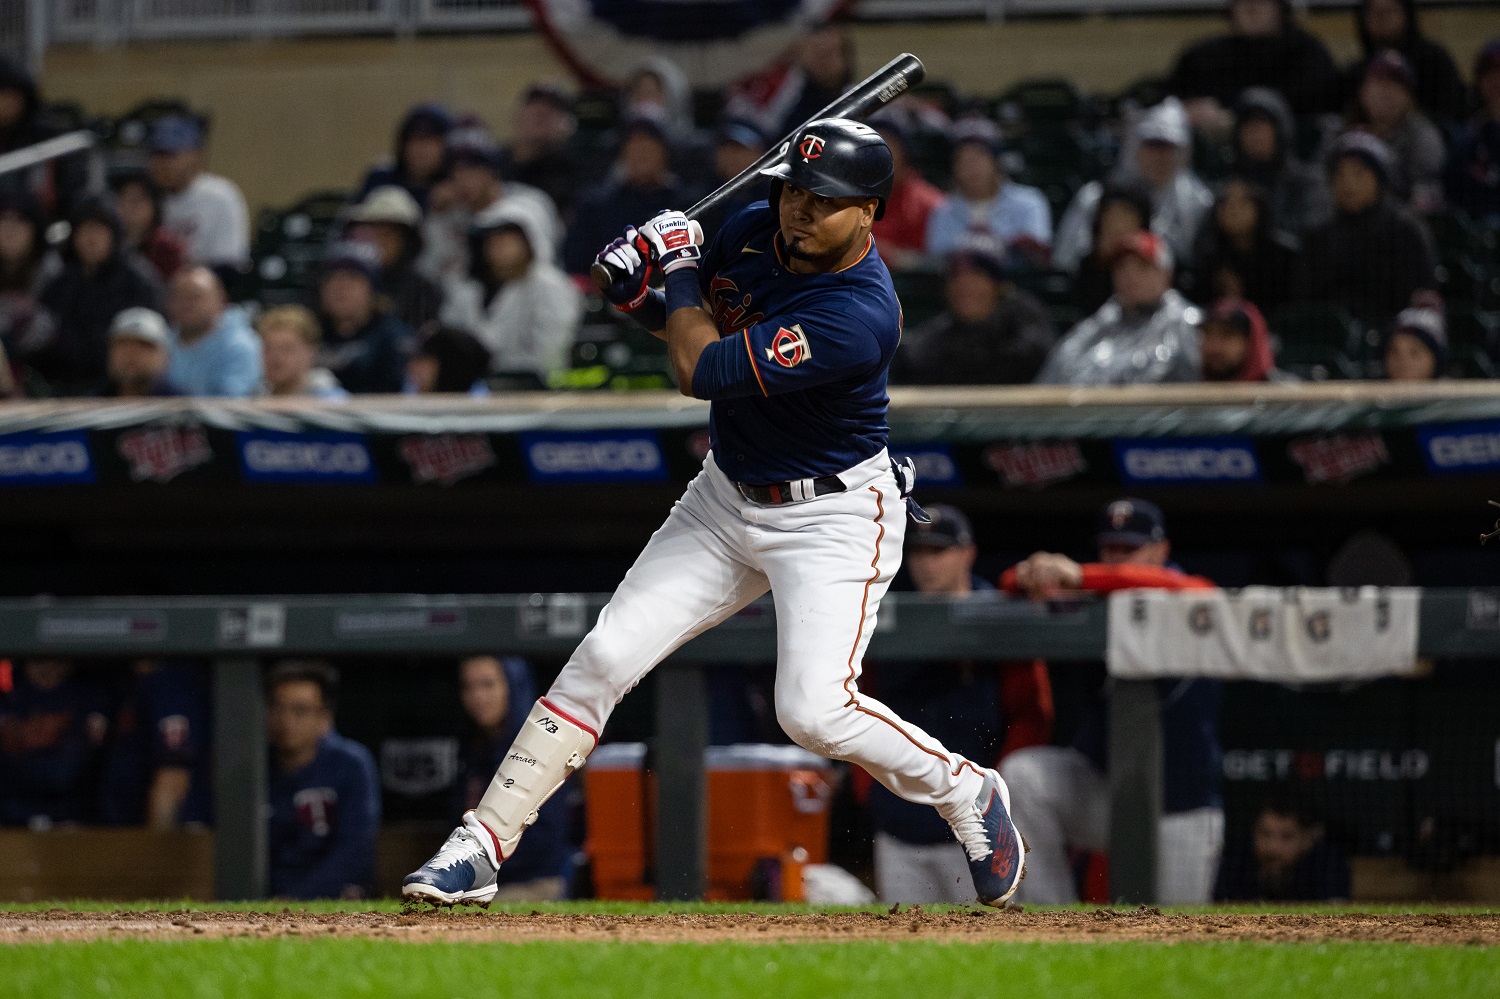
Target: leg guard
<point x="548" y="748"/>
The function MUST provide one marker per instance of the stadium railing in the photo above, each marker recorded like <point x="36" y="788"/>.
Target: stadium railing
<point x="240" y="633"/>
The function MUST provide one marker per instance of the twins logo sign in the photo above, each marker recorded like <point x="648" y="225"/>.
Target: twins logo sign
<point x="811" y="147"/>
<point x="789" y="347"/>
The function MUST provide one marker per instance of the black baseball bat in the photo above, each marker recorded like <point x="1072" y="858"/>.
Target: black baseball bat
<point x="878" y="89"/>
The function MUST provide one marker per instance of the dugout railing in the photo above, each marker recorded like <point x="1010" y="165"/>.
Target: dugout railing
<point x="240" y="635"/>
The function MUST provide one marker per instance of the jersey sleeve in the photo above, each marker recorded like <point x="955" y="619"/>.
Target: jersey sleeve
<point x="786" y="354"/>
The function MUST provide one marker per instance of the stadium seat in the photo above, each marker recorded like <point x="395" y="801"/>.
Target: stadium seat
<point x="1473" y="336"/>
<point x="1318" y="340"/>
<point x="1044" y="103"/>
<point x="290" y="243"/>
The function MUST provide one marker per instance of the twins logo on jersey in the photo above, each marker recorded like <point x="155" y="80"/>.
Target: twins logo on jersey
<point x="732" y="311"/>
<point x="789" y="347"/>
<point x="811" y="147"/>
<point x="316" y="808"/>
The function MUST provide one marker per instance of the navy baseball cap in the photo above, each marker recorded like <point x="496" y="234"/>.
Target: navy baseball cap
<point x="175" y="133"/>
<point x="949" y="529"/>
<point x="352" y="255"/>
<point x="1131" y="522"/>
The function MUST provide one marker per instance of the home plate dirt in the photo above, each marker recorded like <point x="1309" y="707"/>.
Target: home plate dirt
<point x="977" y="926"/>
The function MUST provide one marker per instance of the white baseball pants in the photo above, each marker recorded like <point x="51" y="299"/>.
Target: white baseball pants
<point x="1066" y="803"/>
<point x="827" y="562"/>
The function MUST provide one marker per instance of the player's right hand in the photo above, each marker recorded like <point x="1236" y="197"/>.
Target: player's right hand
<point x="629" y="258"/>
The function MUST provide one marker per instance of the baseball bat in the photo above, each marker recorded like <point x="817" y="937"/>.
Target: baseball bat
<point x="878" y="89"/>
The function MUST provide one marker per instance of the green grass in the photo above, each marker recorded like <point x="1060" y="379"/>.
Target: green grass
<point x="324" y="969"/>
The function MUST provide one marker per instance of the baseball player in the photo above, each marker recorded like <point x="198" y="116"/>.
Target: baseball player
<point x="787" y="323"/>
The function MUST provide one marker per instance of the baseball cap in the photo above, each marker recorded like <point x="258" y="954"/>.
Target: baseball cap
<point x="470" y="142"/>
<point x="1166" y="122"/>
<point x="352" y="255"/>
<point x="741" y="133"/>
<point x="175" y="133"/>
<point x="1131" y="522"/>
<point x="1427" y="325"/>
<point x="645" y="121"/>
<point x="1364" y="147"/>
<point x="388" y="204"/>
<point x="549" y="93"/>
<point x="1149" y="247"/>
<point x="1392" y="65"/>
<point x="949" y="528"/>
<point x="977" y="131"/>
<point x="141" y="324"/>
<point x="1231" y="312"/>
<point x="982" y="252"/>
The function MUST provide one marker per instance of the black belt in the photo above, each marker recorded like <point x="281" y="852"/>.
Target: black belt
<point x="790" y="492"/>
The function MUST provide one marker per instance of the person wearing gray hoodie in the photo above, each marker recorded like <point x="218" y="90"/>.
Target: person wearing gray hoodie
<point x="1157" y="154"/>
<point x="516" y="301"/>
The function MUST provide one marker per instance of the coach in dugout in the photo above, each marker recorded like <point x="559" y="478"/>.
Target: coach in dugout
<point x="325" y="799"/>
<point x="1063" y="791"/>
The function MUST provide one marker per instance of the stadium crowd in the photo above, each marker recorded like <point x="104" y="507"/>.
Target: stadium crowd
<point x="1255" y="213"/>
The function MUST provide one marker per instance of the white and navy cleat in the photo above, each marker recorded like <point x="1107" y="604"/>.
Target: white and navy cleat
<point x="998" y="872"/>
<point x="460" y="873"/>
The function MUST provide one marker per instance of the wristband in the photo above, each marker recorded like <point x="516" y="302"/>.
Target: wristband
<point x="652" y="312"/>
<point x="682" y="290"/>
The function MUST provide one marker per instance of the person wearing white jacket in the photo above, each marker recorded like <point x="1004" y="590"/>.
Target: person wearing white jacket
<point x="516" y="300"/>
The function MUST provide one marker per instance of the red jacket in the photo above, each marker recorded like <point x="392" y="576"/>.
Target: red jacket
<point x="1101" y="578"/>
<point x="904" y="226"/>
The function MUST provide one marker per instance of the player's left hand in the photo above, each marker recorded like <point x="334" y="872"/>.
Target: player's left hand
<point x="1045" y="574"/>
<point x="676" y="241"/>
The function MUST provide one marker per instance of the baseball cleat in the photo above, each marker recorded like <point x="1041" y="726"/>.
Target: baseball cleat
<point x="459" y="873"/>
<point x="997" y="873"/>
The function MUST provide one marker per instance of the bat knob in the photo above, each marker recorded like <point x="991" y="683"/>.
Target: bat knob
<point x="603" y="275"/>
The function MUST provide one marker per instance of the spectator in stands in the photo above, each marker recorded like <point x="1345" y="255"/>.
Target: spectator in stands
<point x="98" y="280"/>
<point x="497" y="692"/>
<point x="1264" y="48"/>
<point x="390" y="220"/>
<point x="140" y="353"/>
<point x="783" y="97"/>
<point x="1240" y="254"/>
<point x="60" y="185"/>
<point x="449" y="360"/>
<point x="324" y="795"/>
<point x="1236" y="344"/>
<point x="1393" y="24"/>
<point x="421" y="158"/>
<point x="1124" y="209"/>
<point x="52" y="726"/>
<point x="138" y="200"/>
<point x="520" y="305"/>
<point x="157" y="766"/>
<point x="206" y="211"/>
<point x="1473" y="176"/>
<point x="25" y="270"/>
<point x="1265" y="153"/>
<point x="1063" y="792"/>
<point x="1288" y="860"/>
<point x="901" y="233"/>
<point x="992" y="333"/>
<point x="1386" y="107"/>
<point x="538" y="154"/>
<point x="216" y="353"/>
<point x="364" y="345"/>
<point x="289" y="341"/>
<point x="1145" y="333"/>
<point x="475" y="187"/>
<point x="642" y="184"/>
<point x="1373" y="254"/>
<point x="737" y="145"/>
<point x="1416" y="349"/>
<point x="985" y="200"/>
<point x="983" y="710"/>
<point x="658" y="89"/>
<point x="1156" y="156"/>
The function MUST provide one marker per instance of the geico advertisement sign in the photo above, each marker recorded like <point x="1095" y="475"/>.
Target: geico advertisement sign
<point x="1461" y="448"/>
<point x="270" y="456"/>
<point x="628" y="456"/>
<point x="1188" y="459"/>
<point x="45" y="459"/>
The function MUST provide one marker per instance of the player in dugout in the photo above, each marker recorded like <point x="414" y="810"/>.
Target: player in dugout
<point x="1063" y="791"/>
<point x="787" y="323"/>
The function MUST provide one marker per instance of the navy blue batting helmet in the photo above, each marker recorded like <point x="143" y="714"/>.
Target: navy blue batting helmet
<point x="837" y="158"/>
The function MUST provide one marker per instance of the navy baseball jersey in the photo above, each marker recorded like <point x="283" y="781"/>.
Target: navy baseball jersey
<point x="325" y="819"/>
<point x="797" y="380"/>
<point x="163" y="721"/>
<point x="49" y="750"/>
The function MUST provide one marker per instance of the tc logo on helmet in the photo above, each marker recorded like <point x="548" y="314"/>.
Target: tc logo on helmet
<point x="811" y="147"/>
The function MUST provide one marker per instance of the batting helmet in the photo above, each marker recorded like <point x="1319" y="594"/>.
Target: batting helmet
<point x="837" y="158"/>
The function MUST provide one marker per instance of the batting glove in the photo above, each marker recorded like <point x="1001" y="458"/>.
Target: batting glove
<point x="676" y="241"/>
<point x="628" y="257"/>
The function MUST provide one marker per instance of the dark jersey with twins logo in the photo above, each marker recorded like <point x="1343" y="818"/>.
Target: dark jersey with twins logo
<point x="325" y="818"/>
<point x="797" y="380"/>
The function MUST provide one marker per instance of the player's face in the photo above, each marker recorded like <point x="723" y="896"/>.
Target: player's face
<point x="823" y="231"/>
<point x="940" y="570"/>
<point x="486" y="695"/>
<point x="296" y="717"/>
<point x="1280" y="841"/>
<point x="1115" y="553"/>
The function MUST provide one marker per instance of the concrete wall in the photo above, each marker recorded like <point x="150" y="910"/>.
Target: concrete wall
<point x="299" y="115"/>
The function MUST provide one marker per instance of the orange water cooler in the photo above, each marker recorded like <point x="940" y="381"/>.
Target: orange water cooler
<point x="767" y="813"/>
